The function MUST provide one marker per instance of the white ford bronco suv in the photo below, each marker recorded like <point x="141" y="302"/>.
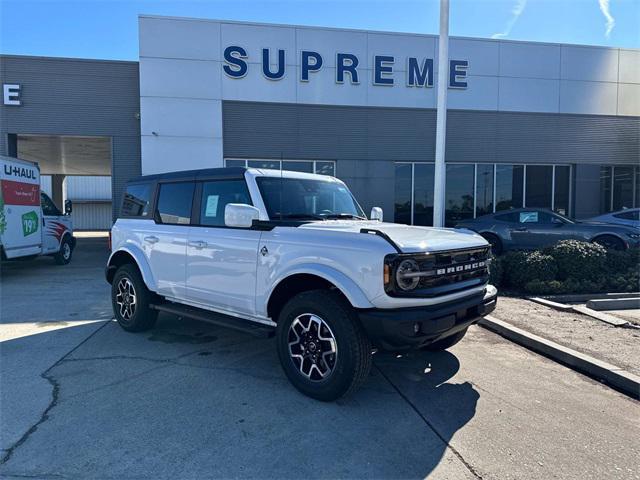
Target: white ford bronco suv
<point x="292" y="254"/>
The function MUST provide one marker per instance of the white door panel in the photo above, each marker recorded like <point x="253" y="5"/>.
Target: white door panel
<point x="165" y="247"/>
<point x="221" y="268"/>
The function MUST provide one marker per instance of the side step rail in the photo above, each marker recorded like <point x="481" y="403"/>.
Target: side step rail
<point x="247" y="326"/>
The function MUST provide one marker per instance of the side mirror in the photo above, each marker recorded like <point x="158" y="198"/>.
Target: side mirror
<point x="68" y="207"/>
<point x="557" y="222"/>
<point x="240" y="215"/>
<point x="376" y="214"/>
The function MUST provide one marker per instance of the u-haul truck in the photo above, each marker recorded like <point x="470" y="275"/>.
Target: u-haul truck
<point x="30" y="223"/>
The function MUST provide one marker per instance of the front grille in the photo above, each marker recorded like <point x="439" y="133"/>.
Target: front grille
<point x="444" y="272"/>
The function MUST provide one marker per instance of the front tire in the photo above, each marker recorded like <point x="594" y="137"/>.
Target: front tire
<point x="446" y="342"/>
<point x="63" y="257"/>
<point x="131" y="300"/>
<point x="322" y="348"/>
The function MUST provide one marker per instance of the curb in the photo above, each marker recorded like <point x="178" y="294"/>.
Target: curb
<point x="616" y="377"/>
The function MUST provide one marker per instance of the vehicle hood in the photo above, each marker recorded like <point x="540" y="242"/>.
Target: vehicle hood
<point x="409" y="239"/>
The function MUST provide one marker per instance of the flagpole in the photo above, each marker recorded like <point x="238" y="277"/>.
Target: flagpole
<point x="441" y="117"/>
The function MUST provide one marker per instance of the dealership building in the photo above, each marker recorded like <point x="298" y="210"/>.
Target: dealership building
<point x="529" y="124"/>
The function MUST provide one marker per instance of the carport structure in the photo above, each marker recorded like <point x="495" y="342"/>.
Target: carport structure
<point x="84" y="122"/>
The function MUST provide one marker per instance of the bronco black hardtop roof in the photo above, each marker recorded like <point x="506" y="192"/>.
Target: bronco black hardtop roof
<point x="226" y="173"/>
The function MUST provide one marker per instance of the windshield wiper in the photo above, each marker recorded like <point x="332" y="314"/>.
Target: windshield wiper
<point x="337" y="216"/>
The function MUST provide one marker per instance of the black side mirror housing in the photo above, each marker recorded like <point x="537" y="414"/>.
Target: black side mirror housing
<point x="68" y="207"/>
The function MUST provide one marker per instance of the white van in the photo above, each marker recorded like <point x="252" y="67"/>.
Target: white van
<point x="30" y="223"/>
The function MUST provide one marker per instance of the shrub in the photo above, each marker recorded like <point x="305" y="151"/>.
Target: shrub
<point x="521" y="268"/>
<point x="550" y="287"/>
<point x="495" y="271"/>
<point x="628" y="281"/>
<point x="578" y="260"/>
<point x="619" y="262"/>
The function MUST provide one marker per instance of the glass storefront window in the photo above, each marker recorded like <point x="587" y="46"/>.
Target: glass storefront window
<point x="235" y="163"/>
<point x="458" y="193"/>
<point x="547" y="186"/>
<point x="605" y="189"/>
<point x="306" y="167"/>
<point x="509" y="184"/>
<point x="423" y="194"/>
<point x="326" y="168"/>
<point x="484" y="189"/>
<point x="268" y="164"/>
<point x="561" y="189"/>
<point x="622" y="188"/>
<point x="402" y="203"/>
<point x="538" y="186"/>
<point x="637" y="188"/>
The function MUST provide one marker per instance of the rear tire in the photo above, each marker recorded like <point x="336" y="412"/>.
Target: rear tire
<point x="610" y="242"/>
<point x="322" y="348"/>
<point x="494" y="241"/>
<point x="131" y="299"/>
<point x="63" y="257"/>
<point x="446" y="343"/>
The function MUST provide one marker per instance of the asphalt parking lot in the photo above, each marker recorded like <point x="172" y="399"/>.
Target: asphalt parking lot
<point x="80" y="398"/>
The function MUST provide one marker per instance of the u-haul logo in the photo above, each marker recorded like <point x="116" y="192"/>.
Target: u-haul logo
<point x="19" y="171"/>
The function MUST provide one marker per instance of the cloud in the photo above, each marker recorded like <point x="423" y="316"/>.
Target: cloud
<point x="516" y="11"/>
<point x="604" y="8"/>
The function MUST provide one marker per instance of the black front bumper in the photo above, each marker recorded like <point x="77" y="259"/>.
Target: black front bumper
<point x="395" y="329"/>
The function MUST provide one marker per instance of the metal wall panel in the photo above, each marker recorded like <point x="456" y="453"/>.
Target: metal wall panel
<point x="92" y="216"/>
<point x="77" y="97"/>
<point x="271" y="130"/>
<point x="366" y="141"/>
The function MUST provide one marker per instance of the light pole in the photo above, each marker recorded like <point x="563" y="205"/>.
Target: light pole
<point x="441" y="116"/>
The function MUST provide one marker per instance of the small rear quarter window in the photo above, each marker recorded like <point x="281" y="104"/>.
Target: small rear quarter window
<point x="136" y="200"/>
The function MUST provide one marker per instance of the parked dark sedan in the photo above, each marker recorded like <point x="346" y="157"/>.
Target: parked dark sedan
<point x="532" y="228"/>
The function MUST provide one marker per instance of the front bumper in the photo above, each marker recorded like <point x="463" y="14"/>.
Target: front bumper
<point x="395" y="329"/>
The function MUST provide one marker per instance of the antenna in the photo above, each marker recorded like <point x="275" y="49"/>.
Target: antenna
<point x="281" y="187"/>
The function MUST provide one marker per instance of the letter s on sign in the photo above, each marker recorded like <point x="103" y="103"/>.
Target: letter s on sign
<point x="236" y="67"/>
<point x="11" y="94"/>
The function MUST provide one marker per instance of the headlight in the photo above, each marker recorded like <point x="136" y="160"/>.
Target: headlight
<point x="404" y="279"/>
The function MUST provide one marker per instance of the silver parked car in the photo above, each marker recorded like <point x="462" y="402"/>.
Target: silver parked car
<point x="533" y="228"/>
<point x="628" y="216"/>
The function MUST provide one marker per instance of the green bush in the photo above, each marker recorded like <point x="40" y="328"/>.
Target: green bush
<point x="628" y="281"/>
<point x="620" y="262"/>
<point x="550" y="287"/>
<point x="578" y="260"/>
<point x="520" y="268"/>
<point x="495" y="271"/>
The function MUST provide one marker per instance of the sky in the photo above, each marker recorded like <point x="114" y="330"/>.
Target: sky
<point x="107" y="29"/>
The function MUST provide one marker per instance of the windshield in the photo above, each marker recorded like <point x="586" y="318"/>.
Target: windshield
<point x="301" y="198"/>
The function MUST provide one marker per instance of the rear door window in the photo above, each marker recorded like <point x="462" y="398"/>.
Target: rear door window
<point x="136" y="200"/>
<point x="529" y="217"/>
<point x="217" y="195"/>
<point x="174" y="203"/>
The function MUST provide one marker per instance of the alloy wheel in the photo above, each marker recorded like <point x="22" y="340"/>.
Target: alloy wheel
<point x="126" y="298"/>
<point x="312" y="347"/>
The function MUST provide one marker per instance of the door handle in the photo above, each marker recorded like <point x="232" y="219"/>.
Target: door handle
<point x="151" y="239"/>
<point x="522" y="229"/>
<point x="197" y="244"/>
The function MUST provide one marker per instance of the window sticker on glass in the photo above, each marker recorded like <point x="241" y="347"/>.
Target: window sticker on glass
<point x="212" y="206"/>
<point x="528" y="217"/>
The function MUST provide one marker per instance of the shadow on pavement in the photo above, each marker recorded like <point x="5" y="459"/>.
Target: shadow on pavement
<point x="189" y="399"/>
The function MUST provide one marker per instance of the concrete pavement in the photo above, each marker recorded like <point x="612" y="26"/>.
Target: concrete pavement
<point x="191" y="400"/>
